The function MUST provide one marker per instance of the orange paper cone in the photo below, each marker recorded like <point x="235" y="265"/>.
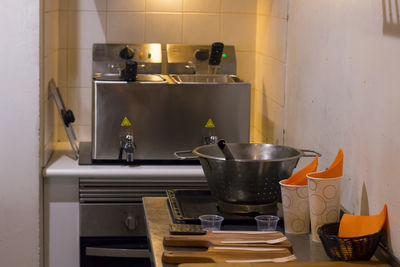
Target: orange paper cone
<point x="335" y="170"/>
<point x="354" y="225"/>
<point x="299" y="178"/>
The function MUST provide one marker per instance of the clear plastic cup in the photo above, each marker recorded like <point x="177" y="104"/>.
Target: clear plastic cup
<point x="211" y="222"/>
<point x="266" y="222"/>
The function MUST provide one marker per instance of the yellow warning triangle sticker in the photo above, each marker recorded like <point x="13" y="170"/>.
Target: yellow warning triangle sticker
<point x="125" y="122"/>
<point x="210" y="124"/>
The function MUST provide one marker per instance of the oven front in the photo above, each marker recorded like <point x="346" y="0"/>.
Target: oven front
<point x="113" y="235"/>
<point x="112" y="221"/>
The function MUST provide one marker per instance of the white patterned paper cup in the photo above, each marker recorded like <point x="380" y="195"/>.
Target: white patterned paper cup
<point x="324" y="197"/>
<point x="296" y="211"/>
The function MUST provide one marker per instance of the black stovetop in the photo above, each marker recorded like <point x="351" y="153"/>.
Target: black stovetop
<point x="186" y="205"/>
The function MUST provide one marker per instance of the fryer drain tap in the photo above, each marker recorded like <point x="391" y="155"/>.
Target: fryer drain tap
<point x="127" y="144"/>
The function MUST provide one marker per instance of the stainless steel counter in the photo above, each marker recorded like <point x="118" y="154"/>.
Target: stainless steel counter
<point x="158" y="219"/>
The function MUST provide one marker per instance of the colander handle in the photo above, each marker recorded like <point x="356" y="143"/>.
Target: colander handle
<point x="310" y="151"/>
<point x="176" y="154"/>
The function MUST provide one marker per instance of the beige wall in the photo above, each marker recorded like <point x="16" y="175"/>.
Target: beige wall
<point x="19" y="135"/>
<point x="343" y="91"/>
<point x="84" y="22"/>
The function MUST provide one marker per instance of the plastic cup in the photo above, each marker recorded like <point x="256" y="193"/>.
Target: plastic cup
<point x="266" y="222"/>
<point x="211" y="222"/>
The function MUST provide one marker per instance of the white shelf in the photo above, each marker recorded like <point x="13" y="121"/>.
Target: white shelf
<point x="62" y="164"/>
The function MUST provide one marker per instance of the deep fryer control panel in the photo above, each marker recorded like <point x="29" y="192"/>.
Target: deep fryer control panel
<point x="112" y="58"/>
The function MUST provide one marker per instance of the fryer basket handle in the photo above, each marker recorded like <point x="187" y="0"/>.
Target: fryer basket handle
<point x="177" y="154"/>
<point x="303" y="151"/>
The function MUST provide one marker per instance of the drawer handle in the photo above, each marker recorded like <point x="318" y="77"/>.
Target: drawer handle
<point x="130" y="223"/>
<point x="117" y="253"/>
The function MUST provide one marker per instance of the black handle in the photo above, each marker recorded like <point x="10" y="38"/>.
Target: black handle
<point x="216" y="53"/>
<point x="225" y="149"/>
<point x="310" y="151"/>
<point x="130" y="71"/>
<point x="68" y="116"/>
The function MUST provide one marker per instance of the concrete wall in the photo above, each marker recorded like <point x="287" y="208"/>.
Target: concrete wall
<point x="19" y="135"/>
<point x="343" y="91"/>
<point x="84" y="22"/>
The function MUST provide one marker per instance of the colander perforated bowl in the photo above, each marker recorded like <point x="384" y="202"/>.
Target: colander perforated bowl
<point x="252" y="178"/>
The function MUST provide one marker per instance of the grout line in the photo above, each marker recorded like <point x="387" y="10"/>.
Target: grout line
<point x="51" y="53"/>
<point x="269" y="56"/>
<point x="245" y="51"/>
<point x="239" y="13"/>
<point x="220" y="20"/>
<point x="195" y="13"/>
<point x="269" y="97"/>
<point x="106" y="29"/>
<point x="285" y="90"/>
<point x="273" y="100"/>
<point x="86" y="10"/>
<point x="144" y="27"/>
<point x="66" y="35"/>
<point x="145" y="22"/>
<point x="182" y="21"/>
<point x="78" y="48"/>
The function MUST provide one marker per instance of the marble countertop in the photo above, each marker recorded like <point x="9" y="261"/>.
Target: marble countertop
<point x="158" y="219"/>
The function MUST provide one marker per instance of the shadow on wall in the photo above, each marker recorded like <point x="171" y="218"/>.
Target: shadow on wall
<point x="364" y="209"/>
<point x="76" y="39"/>
<point x="267" y="124"/>
<point x="391" y="17"/>
<point x="103" y="22"/>
<point x="80" y="21"/>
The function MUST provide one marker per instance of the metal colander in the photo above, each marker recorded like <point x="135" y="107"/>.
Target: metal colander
<point x="252" y="178"/>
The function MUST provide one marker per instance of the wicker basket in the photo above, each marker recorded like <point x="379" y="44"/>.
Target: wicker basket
<point x="347" y="248"/>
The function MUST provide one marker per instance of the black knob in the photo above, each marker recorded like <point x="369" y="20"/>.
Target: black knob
<point x="201" y="54"/>
<point x="68" y="116"/>
<point x="130" y="71"/>
<point x="126" y="53"/>
<point x="216" y="53"/>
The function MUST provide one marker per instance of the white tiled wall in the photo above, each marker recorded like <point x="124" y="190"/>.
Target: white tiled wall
<point x="84" y="22"/>
<point x="239" y="6"/>
<point x="257" y="28"/>
<point x="205" y="6"/>
<point x="270" y="67"/>
<point x="201" y="28"/>
<point x="239" y="29"/>
<point x="163" y="27"/>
